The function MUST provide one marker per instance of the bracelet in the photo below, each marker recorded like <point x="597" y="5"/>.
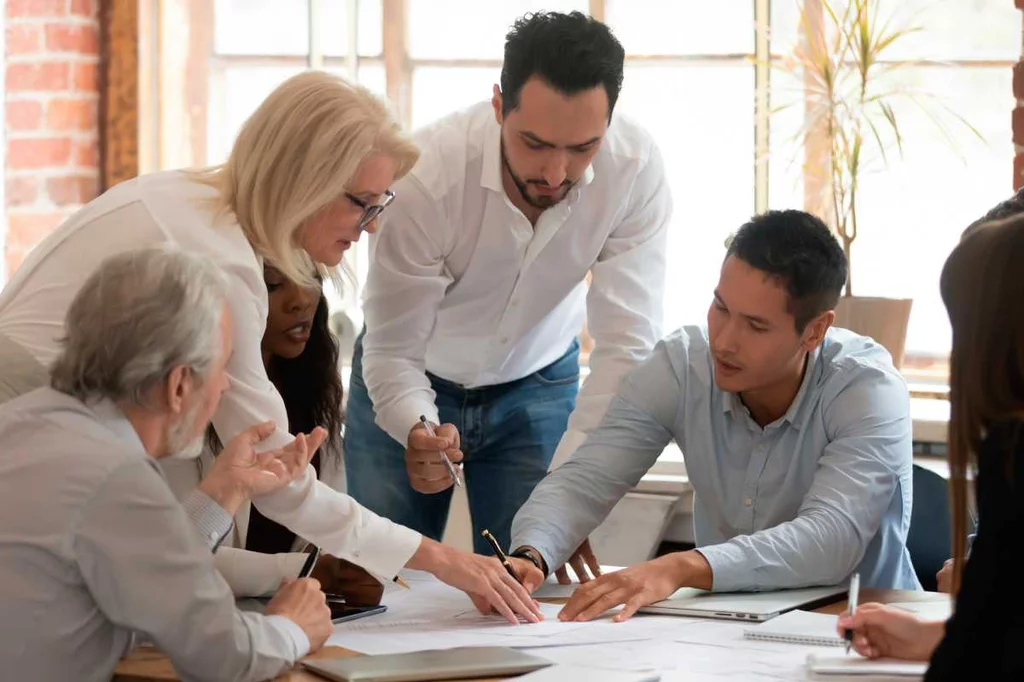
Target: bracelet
<point x="533" y="556"/>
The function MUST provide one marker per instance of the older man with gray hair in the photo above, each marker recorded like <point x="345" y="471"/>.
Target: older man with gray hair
<point x="93" y="544"/>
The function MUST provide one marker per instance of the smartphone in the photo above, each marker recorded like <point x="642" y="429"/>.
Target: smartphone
<point x="342" y="612"/>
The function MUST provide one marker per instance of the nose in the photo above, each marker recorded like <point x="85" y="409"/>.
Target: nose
<point x="556" y="169"/>
<point x="726" y="338"/>
<point x="300" y="301"/>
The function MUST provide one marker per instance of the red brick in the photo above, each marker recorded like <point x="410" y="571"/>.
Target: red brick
<point x="21" y="191"/>
<point x="78" y="38"/>
<point x="73" y="190"/>
<point x="1020" y="4"/>
<point x="85" y="154"/>
<point x="1018" y="171"/>
<point x="24" y="115"/>
<point x="83" y="8"/>
<point x="39" y="153"/>
<point x="1018" y="125"/>
<point x="50" y="75"/>
<point x="85" y="77"/>
<point x="24" y="39"/>
<point x="71" y="114"/>
<point x="36" y="8"/>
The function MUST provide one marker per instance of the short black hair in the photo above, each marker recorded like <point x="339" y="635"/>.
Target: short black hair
<point x="571" y="52"/>
<point x="1007" y="209"/>
<point x="801" y="252"/>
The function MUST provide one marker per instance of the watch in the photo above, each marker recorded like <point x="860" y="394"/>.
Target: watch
<point x="533" y="556"/>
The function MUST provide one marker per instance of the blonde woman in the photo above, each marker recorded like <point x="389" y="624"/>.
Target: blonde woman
<point x="308" y="173"/>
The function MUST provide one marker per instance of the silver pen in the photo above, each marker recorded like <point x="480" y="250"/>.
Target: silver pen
<point x="852" y="606"/>
<point x="444" y="455"/>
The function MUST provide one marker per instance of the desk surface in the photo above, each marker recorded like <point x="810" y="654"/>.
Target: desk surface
<point x="149" y="665"/>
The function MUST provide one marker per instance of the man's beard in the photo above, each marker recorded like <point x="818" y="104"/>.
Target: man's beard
<point x="180" y="443"/>
<point x="541" y="202"/>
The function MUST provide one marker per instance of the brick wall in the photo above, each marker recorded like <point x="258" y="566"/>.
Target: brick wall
<point x="1018" y="116"/>
<point x="52" y="105"/>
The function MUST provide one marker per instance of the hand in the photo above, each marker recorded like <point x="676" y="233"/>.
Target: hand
<point x="637" y="586"/>
<point x="427" y="471"/>
<point x="484" y="579"/>
<point x="945" y="577"/>
<point x="530" y="576"/>
<point x="582" y="558"/>
<point x="881" y="630"/>
<point x="337" y="576"/>
<point x="239" y="473"/>
<point x="302" y="602"/>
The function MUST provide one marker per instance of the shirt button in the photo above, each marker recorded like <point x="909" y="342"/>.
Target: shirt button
<point x="748" y="502"/>
<point x="213" y="535"/>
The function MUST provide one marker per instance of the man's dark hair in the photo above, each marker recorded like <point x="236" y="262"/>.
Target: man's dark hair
<point x="1007" y="209"/>
<point x="800" y="252"/>
<point x="570" y="52"/>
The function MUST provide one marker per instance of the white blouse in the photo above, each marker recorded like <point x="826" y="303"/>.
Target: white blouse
<point x="169" y="207"/>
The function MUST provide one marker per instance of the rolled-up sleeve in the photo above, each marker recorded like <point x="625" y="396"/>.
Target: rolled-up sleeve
<point x="857" y="476"/>
<point x="575" y="498"/>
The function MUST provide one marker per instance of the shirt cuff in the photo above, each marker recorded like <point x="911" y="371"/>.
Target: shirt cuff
<point x="386" y="549"/>
<point x="293" y="633"/>
<point x="209" y="518"/>
<point x="729" y="572"/>
<point x="547" y="552"/>
<point x="398" y="420"/>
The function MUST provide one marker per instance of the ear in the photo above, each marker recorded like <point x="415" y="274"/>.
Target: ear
<point x="814" y="332"/>
<point x="496" y="104"/>
<point x="178" y="387"/>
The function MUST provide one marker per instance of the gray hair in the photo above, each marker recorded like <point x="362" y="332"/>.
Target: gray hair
<point x="138" y="316"/>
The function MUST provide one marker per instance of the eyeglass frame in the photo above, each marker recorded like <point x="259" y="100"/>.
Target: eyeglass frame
<point x="370" y="211"/>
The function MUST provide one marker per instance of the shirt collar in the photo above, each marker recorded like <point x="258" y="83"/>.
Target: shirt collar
<point x="113" y="418"/>
<point x="491" y="172"/>
<point x="732" y="402"/>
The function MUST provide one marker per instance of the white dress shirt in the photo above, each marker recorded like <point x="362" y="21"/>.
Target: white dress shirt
<point x="94" y="547"/>
<point x="462" y="285"/>
<point x="248" y="573"/>
<point x="171" y="208"/>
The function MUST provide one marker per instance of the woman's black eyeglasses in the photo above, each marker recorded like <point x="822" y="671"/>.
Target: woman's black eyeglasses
<point x="370" y="211"/>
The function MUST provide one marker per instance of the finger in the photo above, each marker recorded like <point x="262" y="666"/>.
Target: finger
<point x="563" y="576"/>
<point x="608" y="601"/>
<point x="316" y="438"/>
<point x="455" y="456"/>
<point x="421" y="440"/>
<point x="591" y="559"/>
<point x="631" y="607"/>
<point x="500" y="606"/>
<point x="450" y="432"/>
<point x="481" y="604"/>
<point x="259" y="432"/>
<point x="584" y="597"/>
<point x="517" y="599"/>
<point x="579" y="569"/>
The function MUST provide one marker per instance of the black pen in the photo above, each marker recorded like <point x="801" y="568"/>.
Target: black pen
<point x="501" y="555"/>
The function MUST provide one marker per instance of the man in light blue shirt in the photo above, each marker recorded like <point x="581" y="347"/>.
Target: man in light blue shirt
<point x="796" y="436"/>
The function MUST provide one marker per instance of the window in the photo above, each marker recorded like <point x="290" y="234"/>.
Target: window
<point x="696" y="77"/>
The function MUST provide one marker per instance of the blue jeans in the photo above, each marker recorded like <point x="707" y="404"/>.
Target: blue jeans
<point x="509" y="433"/>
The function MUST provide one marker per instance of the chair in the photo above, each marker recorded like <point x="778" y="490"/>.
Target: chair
<point x="928" y="540"/>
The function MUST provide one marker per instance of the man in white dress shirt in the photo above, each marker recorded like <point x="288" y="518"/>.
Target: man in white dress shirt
<point x="93" y="544"/>
<point x="477" y="284"/>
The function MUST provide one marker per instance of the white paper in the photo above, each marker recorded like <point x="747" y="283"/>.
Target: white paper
<point x="838" y="664"/>
<point x="551" y="589"/>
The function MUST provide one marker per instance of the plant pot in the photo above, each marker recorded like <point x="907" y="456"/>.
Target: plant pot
<point x="883" y="319"/>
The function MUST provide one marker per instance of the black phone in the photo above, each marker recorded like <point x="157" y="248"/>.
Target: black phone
<point x="342" y="612"/>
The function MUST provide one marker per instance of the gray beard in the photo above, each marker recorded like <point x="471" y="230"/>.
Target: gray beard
<point x="178" y="439"/>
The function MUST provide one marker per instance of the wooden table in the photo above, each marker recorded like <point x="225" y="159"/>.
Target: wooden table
<point x="147" y="664"/>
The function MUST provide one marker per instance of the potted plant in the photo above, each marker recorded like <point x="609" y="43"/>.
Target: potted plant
<point x="848" y="88"/>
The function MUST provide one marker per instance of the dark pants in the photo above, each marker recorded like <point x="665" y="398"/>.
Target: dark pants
<point x="509" y="433"/>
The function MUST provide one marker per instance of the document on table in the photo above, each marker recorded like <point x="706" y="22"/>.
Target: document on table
<point x="831" y="664"/>
<point x="928" y="610"/>
<point x="551" y="589"/>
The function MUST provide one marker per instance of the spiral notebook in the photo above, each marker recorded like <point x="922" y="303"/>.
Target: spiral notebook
<point x="798" y="627"/>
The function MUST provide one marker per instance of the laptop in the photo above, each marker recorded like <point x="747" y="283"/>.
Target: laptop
<point x="446" y="664"/>
<point x="748" y="606"/>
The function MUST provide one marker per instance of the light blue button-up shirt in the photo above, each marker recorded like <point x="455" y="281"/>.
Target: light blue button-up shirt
<point x="821" y="492"/>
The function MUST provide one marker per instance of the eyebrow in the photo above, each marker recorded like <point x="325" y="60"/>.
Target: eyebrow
<point x="541" y="141"/>
<point x="752" y="318"/>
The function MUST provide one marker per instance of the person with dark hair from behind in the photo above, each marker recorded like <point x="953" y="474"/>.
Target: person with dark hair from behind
<point x="982" y="286"/>
<point x="301" y="356"/>
<point x="477" y="285"/>
<point x="796" y="436"/>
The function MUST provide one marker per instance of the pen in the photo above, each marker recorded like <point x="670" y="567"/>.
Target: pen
<point x="501" y="555"/>
<point x="402" y="583"/>
<point x="444" y="455"/>
<point x="852" y="606"/>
